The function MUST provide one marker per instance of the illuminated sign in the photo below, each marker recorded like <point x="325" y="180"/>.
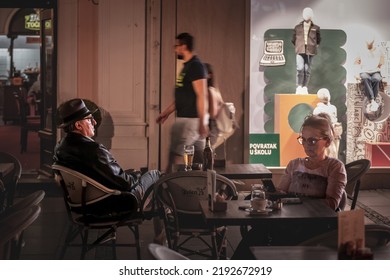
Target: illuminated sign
<point x="32" y="22"/>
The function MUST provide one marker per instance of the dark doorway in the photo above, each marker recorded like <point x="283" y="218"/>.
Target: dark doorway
<point x="30" y="28"/>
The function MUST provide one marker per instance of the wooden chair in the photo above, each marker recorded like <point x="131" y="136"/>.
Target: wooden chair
<point x="178" y="195"/>
<point x="27" y="122"/>
<point x="81" y="191"/>
<point x="355" y="170"/>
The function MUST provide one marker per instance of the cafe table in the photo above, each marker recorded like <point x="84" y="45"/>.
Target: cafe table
<point x="308" y="213"/>
<point x="238" y="171"/>
<point x="310" y="210"/>
<point x="244" y="171"/>
<point x="307" y="253"/>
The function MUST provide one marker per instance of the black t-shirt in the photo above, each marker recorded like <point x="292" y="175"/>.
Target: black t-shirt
<point x="185" y="96"/>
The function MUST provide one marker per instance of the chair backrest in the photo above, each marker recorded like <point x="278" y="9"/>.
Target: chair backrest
<point x="182" y="191"/>
<point x="12" y="226"/>
<point x="160" y="252"/>
<point x="343" y="201"/>
<point x="31" y="122"/>
<point x="31" y="199"/>
<point x="6" y="157"/>
<point x="377" y="235"/>
<point x="79" y="188"/>
<point x="355" y="170"/>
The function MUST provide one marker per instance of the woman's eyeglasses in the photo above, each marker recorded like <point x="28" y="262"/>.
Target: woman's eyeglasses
<point x="311" y="141"/>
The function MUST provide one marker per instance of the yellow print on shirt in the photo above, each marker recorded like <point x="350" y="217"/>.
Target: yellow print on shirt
<point x="179" y="80"/>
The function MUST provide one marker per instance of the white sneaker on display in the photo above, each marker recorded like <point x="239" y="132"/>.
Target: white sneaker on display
<point x="304" y="90"/>
<point x="374" y="106"/>
<point x="298" y="90"/>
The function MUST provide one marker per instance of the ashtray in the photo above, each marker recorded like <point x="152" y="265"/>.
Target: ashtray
<point x="197" y="166"/>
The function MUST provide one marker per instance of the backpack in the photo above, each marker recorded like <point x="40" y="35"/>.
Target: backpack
<point x="226" y="123"/>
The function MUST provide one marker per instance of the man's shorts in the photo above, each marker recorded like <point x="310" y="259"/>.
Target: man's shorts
<point x="185" y="131"/>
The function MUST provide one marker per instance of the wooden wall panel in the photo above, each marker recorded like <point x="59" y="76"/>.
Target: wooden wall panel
<point x="168" y="73"/>
<point x="121" y="78"/>
<point x="219" y="30"/>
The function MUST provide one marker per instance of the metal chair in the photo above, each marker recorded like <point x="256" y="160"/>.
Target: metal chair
<point x="12" y="227"/>
<point x="355" y="170"/>
<point x="27" y="122"/>
<point x="31" y="199"/>
<point x="14" y="223"/>
<point x="11" y="184"/>
<point x="160" y="252"/>
<point x="80" y="192"/>
<point x="178" y="195"/>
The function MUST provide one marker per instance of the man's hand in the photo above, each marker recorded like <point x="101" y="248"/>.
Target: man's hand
<point x="162" y="118"/>
<point x="165" y="114"/>
<point x="203" y="131"/>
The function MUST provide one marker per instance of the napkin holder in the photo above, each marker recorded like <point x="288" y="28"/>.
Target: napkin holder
<point x="220" y="206"/>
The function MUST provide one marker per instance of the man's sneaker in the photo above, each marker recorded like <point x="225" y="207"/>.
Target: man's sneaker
<point x="304" y="90"/>
<point x="298" y="90"/>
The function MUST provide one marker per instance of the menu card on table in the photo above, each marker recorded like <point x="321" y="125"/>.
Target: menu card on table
<point x="351" y="235"/>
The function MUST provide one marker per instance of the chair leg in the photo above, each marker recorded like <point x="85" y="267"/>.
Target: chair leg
<point x="137" y="241"/>
<point x="113" y="247"/>
<point x="355" y="194"/>
<point x="214" y="246"/>
<point x="221" y="238"/>
<point x="84" y="238"/>
<point x="71" y="234"/>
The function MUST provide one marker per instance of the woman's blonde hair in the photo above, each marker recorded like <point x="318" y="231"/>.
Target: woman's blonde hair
<point x="322" y="122"/>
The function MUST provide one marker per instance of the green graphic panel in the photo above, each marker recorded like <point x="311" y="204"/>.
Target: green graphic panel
<point x="264" y="148"/>
<point x="297" y="115"/>
<point x="327" y="71"/>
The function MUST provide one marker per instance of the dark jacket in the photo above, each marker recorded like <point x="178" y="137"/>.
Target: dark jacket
<point x="313" y="39"/>
<point x="88" y="157"/>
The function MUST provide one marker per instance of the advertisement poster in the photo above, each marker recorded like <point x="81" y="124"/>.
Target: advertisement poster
<point x="264" y="148"/>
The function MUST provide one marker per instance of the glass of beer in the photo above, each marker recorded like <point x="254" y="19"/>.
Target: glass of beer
<point x="189" y="151"/>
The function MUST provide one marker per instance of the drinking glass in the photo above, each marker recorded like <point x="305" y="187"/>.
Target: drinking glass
<point x="258" y="201"/>
<point x="189" y="151"/>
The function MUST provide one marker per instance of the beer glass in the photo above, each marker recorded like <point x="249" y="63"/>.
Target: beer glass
<point x="189" y="151"/>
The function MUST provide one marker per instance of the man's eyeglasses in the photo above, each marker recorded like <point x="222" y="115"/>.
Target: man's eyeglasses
<point x="91" y="119"/>
<point x="311" y="141"/>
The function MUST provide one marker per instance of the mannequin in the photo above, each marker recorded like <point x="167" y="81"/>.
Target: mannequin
<point x="306" y="38"/>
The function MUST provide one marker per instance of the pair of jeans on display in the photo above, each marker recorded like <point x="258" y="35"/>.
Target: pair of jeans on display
<point x="303" y="62"/>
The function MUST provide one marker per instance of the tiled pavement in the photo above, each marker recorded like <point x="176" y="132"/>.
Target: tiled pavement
<point x="44" y="238"/>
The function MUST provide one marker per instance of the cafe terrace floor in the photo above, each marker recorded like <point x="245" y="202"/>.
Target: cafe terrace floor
<point x="44" y="238"/>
